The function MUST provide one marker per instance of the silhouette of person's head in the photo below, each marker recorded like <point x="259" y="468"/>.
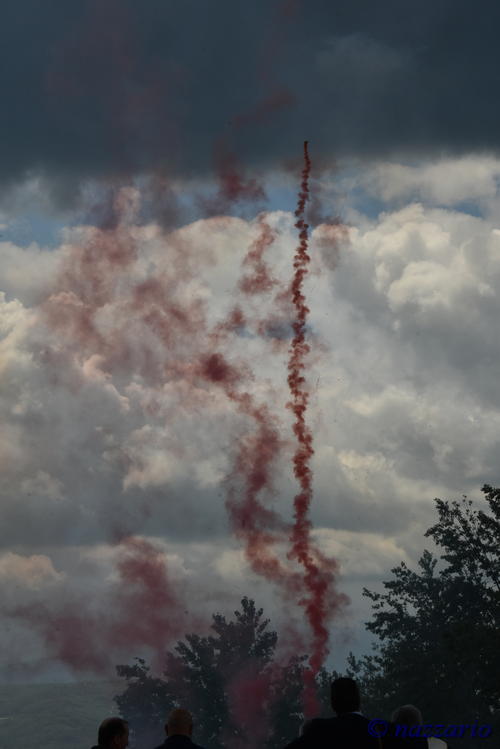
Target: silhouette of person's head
<point x="113" y="734"/>
<point x="344" y="696"/>
<point x="407" y="715"/>
<point x="179" y="723"/>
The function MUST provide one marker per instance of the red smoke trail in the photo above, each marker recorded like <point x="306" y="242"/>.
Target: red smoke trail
<point x="248" y="701"/>
<point x="96" y="276"/>
<point x="150" y="329"/>
<point x="315" y="579"/>
<point x="97" y="272"/>
<point x="255" y="525"/>
<point x="233" y="187"/>
<point x="259" y="280"/>
<point x="143" y="608"/>
<point x="296" y="382"/>
<point x="258" y="527"/>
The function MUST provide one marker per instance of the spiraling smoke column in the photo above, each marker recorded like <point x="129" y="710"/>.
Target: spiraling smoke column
<point x="316" y="577"/>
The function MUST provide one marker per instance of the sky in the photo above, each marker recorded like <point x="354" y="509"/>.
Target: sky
<point x="151" y="163"/>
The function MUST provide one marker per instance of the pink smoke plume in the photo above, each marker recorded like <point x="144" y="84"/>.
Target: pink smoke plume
<point x="248" y="698"/>
<point x="87" y="640"/>
<point x="102" y="314"/>
<point x="96" y="275"/>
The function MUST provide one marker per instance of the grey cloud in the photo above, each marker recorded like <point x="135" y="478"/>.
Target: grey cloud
<point x="413" y="324"/>
<point x="400" y="416"/>
<point x="392" y="346"/>
<point x="117" y="88"/>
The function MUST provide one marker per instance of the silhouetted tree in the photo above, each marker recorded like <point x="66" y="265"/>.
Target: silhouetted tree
<point x="439" y="626"/>
<point x="229" y="679"/>
<point x="146" y="702"/>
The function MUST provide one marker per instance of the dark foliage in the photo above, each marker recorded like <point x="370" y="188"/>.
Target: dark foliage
<point x="439" y="626"/>
<point x="438" y="630"/>
<point x="230" y="680"/>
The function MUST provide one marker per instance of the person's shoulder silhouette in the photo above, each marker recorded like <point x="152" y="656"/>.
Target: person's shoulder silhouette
<point x="348" y="729"/>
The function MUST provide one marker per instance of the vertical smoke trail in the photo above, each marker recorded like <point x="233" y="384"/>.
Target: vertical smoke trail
<point x="315" y="581"/>
<point x="109" y="313"/>
<point x="296" y="382"/>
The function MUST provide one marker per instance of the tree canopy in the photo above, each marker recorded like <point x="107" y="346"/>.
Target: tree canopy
<point x="438" y="627"/>
<point x="438" y="647"/>
<point x="231" y="681"/>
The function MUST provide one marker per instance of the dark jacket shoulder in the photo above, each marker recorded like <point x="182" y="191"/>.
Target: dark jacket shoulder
<point x="349" y="730"/>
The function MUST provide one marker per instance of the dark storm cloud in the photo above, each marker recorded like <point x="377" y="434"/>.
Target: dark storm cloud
<point x="99" y="88"/>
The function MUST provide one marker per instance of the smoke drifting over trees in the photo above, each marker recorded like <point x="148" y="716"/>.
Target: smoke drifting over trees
<point x="156" y="290"/>
<point x="437" y="630"/>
